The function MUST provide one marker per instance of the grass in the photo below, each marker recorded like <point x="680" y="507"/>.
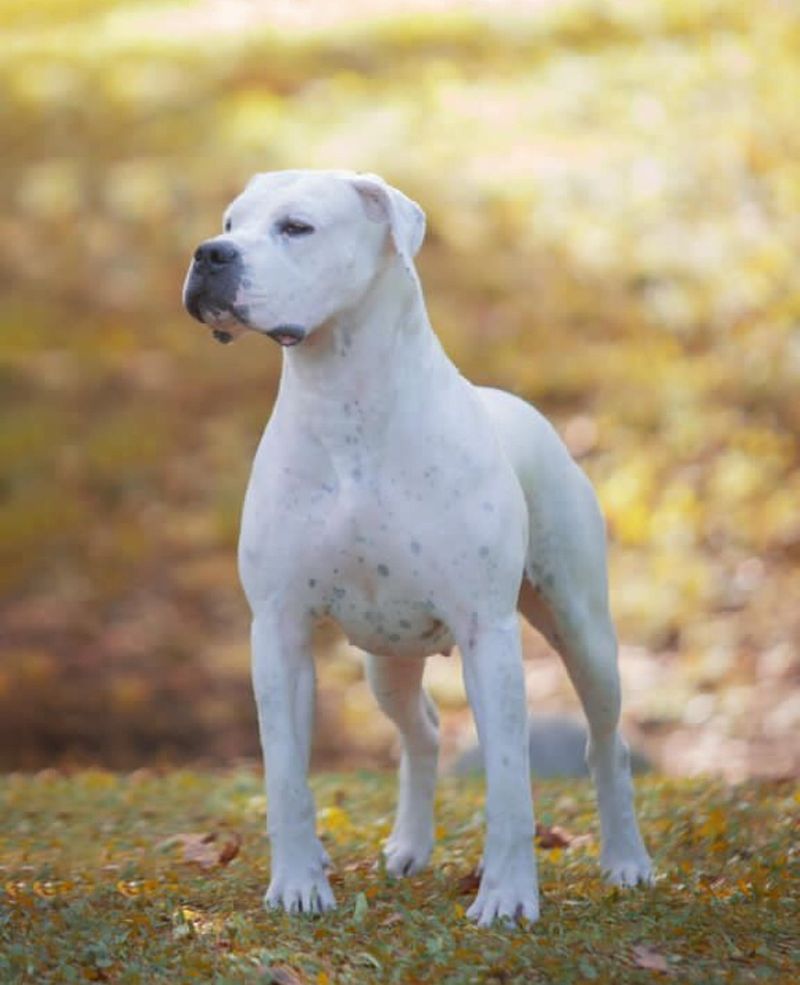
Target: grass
<point x="99" y="887"/>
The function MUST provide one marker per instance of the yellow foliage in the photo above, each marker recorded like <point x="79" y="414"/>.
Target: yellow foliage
<point x="613" y="192"/>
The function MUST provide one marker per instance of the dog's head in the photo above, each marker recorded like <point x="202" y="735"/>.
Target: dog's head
<point x="299" y="248"/>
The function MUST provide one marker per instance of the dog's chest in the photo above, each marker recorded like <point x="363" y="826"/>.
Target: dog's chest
<point x="376" y="573"/>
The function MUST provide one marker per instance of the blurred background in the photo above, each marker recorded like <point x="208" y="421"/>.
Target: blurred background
<point x="613" y="199"/>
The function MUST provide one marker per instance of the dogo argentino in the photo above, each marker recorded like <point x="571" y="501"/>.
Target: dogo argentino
<point x="416" y="510"/>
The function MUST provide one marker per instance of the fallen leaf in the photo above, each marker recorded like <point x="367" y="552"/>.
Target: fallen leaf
<point x="204" y="848"/>
<point x="199" y="848"/>
<point x="229" y="848"/>
<point x="469" y="883"/>
<point x="646" y="957"/>
<point x="554" y="837"/>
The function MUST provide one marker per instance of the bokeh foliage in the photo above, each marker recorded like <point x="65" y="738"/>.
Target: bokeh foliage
<point x="613" y="193"/>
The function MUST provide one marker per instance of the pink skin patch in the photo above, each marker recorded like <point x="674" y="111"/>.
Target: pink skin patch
<point x="285" y="338"/>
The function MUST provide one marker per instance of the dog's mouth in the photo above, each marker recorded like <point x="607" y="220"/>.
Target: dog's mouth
<point x="227" y="322"/>
<point x="287" y="335"/>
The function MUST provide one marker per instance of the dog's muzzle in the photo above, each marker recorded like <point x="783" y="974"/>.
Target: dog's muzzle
<point x="212" y="284"/>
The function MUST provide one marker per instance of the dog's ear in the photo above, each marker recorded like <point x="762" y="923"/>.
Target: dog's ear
<point x="406" y="219"/>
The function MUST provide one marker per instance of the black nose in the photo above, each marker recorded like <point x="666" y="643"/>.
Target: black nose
<point x="215" y="254"/>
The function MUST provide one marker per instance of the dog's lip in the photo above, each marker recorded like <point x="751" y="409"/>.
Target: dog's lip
<point x="225" y="325"/>
<point x="226" y="321"/>
<point x="287" y="335"/>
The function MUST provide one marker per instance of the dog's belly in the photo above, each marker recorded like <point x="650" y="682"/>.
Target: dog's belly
<point x="388" y="624"/>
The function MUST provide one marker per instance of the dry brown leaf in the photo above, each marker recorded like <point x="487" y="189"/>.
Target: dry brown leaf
<point x="469" y="883"/>
<point x="555" y="837"/>
<point x="204" y="848"/>
<point x="646" y="957"/>
<point x="229" y="848"/>
<point x="200" y="849"/>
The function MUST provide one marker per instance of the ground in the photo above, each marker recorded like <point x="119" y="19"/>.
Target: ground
<point x="157" y="877"/>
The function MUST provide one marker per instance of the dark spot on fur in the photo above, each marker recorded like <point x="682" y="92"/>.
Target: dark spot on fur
<point x="383" y="570"/>
<point x="312" y="582"/>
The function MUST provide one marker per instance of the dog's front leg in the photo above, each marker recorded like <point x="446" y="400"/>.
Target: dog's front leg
<point x="495" y="684"/>
<point x="283" y="681"/>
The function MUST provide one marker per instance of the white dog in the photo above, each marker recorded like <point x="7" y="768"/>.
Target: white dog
<point x="419" y="512"/>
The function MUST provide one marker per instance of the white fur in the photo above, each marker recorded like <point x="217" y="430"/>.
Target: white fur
<point x="391" y="494"/>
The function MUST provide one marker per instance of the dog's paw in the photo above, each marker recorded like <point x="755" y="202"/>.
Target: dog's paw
<point x="406" y="857"/>
<point x="508" y="890"/>
<point x="507" y="903"/>
<point x="299" y="893"/>
<point x="634" y="871"/>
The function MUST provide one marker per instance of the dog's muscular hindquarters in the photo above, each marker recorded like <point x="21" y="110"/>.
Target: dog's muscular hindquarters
<point x="416" y="510"/>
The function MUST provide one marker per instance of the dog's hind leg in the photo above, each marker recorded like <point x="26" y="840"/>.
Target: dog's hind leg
<point x="566" y="598"/>
<point x="397" y="686"/>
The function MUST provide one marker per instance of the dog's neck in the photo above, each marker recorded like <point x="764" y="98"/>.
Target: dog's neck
<point x="368" y="359"/>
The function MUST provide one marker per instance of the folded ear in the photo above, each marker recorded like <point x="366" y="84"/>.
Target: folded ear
<point x="405" y="218"/>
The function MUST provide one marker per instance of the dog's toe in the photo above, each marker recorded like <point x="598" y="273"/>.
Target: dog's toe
<point x="629" y="872"/>
<point x="505" y="906"/>
<point x="406" y="860"/>
<point x="309" y="896"/>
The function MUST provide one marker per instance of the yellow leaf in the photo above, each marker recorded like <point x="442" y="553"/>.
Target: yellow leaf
<point x="334" y="820"/>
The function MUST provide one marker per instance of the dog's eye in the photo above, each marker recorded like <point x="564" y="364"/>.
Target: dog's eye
<point x="294" y="227"/>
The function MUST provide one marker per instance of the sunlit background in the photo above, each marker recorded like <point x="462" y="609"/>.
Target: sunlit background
<point x="613" y="200"/>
